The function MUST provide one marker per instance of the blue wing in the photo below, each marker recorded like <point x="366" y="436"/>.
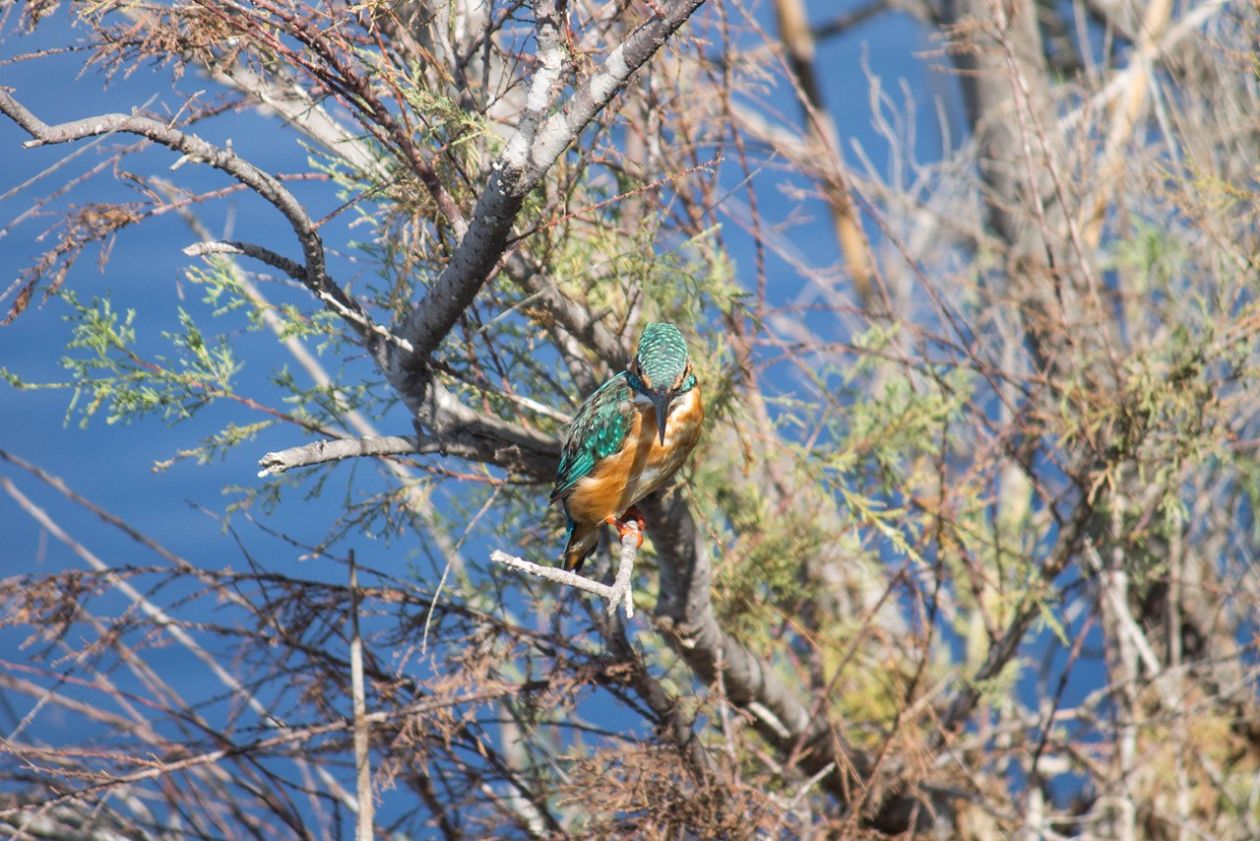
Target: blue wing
<point x="598" y="431"/>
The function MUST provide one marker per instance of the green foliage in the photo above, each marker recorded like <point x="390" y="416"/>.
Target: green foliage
<point x="759" y="579"/>
<point x="1152" y="257"/>
<point x="108" y="373"/>
<point x="218" y="444"/>
<point x="226" y="293"/>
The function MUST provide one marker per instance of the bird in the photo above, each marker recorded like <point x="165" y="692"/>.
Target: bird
<point x="627" y="439"/>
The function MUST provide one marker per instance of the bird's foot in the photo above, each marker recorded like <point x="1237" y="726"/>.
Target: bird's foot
<point x="634" y="514"/>
<point x="631" y="521"/>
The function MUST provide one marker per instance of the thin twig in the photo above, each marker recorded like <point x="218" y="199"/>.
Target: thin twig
<point x="153" y="770"/>
<point x="163" y="620"/>
<point x="362" y="758"/>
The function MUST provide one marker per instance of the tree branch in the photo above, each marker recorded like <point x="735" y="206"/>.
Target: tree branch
<point x="1001" y="651"/>
<point x="530" y="153"/>
<point x="361" y="729"/>
<point x="248" y="249"/>
<point x="798" y="45"/>
<point x="314" y="274"/>
<point x="575" y="318"/>
<point x="458" y="431"/>
<point x="685" y="616"/>
<point x="491" y="439"/>
<point x="165" y="767"/>
<point x="620" y="592"/>
<point x="843" y="22"/>
<point x="321" y="452"/>
<point x="357" y="317"/>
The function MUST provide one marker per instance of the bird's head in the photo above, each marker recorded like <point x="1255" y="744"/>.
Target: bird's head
<point x="660" y="370"/>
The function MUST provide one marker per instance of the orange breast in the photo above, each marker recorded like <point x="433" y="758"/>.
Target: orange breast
<point x="643" y="465"/>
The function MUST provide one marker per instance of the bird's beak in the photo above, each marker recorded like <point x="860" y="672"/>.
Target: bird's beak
<point x="661" y="400"/>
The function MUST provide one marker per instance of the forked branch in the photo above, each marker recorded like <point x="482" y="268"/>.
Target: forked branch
<point x="529" y="154"/>
<point x="619" y="593"/>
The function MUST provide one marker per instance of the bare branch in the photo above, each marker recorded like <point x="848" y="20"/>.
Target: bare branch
<point x="798" y="43"/>
<point x="621" y="592"/>
<point x="248" y="249"/>
<point x="314" y="273"/>
<point x="320" y="452"/>
<point x="495" y="440"/>
<point x="164" y="620"/>
<point x="362" y="730"/>
<point x="576" y="319"/>
<point x="153" y="770"/>
<point x="843" y="22"/>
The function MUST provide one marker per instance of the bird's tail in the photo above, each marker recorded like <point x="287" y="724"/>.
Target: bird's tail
<point x="581" y="542"/>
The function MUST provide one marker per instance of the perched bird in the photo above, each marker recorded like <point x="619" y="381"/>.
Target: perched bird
<point x="628" y="438"/>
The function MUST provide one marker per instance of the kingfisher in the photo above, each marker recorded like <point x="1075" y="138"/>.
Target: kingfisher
<point x="627" y="439"/>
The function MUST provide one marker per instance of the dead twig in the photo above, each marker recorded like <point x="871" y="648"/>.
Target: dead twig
<point x="619" y="593"/>
<point x="362" y="741"/>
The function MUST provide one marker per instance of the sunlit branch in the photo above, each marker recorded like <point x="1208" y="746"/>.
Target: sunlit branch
<point x="322" y="452"/>
<point x="529" y="154"/>
<point x="619" y="593"/>
<point x="362" y="731"/>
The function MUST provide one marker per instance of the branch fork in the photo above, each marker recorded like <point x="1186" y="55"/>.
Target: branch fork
<point x="620" y="593"/>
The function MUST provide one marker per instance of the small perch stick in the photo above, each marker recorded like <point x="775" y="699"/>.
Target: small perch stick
<point x="619" y="592"/>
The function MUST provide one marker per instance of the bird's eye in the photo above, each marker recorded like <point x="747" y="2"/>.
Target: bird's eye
<point x="636" y="371"/>
<point x="683" y="378"/>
